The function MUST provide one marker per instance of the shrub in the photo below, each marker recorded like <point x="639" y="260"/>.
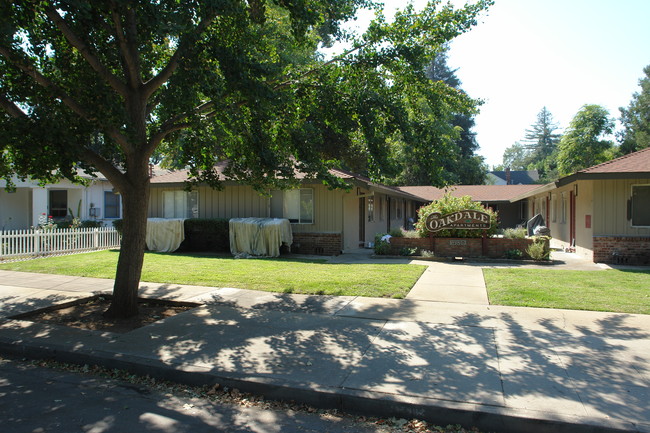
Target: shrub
<point x="427" y="254"/>
<point x="539" y="250"/>
<point x="206" y="234"/>
<point x="118" y="224"/>
<point x="449" y="204"/>
<point x="514" y="254"/>
<point x="517" y="233"/>
<point x="87" y="224"/>
<point x="408" y="251"/>
<point x="396" y="232"/>
<point x="412" y="234"/>
<point x="382" y="247"/>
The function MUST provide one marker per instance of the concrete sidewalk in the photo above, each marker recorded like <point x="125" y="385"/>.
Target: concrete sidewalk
<point x="502" y="369"/>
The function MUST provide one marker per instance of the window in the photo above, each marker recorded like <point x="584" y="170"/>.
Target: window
<point x="399" y="205"/>
<point x="58" y="203"/>
<point x="554" y="208"/>
<point x="564" y="207"/>
<point x="180" y="204"/>
<point x="381" y="208"/>
<point x="111" y="205"/>
<point x="523" y="210"/>
<point x="371" y="209"/>
<point x="640" y="205"/>
<point x="296" y="205"/>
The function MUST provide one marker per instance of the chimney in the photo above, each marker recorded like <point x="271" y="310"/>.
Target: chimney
<point x="508" y="179"/>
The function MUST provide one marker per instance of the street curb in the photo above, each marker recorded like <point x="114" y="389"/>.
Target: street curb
<point x="368" y="403"/>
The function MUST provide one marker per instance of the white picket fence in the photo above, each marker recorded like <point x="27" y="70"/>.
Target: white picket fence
<point x="25" y="244"/>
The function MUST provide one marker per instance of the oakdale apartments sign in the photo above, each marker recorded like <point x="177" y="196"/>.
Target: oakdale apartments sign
<point x="464" y="219"/>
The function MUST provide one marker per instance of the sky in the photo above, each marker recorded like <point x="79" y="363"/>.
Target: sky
<point x="560" y="54"/>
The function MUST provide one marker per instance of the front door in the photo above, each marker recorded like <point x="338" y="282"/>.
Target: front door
<point x="572" y="218"/>
<point x="58" y="203"/>
<point x="362" y="222"/>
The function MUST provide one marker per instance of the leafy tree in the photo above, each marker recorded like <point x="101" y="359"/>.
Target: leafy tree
<point x="446" y="154"/>
<point x="583" y="144"/>
<point x="516" y="157"/>
<point x="103" y="85"/>
<point x="636" y="118"/>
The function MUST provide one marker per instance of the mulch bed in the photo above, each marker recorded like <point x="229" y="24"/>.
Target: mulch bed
<point x="88" y="314"/>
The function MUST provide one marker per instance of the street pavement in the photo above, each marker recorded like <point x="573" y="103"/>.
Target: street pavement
<point x="34" y="399"/>
<point x="443" y="354"/>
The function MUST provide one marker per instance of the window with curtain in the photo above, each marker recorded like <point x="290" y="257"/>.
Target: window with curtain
<point x="180" y="204"/>
<point x="296" y="205"/>
<point x="112" y="208"/>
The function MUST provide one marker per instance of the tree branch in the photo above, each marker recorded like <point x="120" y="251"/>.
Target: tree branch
<point x="157" y="138"/>
<point x="129" y="56"/>
<point x="61" y="94"/>
<point x="11" y="108"/>
<point x="338" y="58"/>
<point x="115" y="176"/>
<point x="85" y="51"/>
<point x="158" y="80"/>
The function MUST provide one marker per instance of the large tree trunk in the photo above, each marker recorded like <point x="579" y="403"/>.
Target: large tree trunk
<point x="135" y="202"/>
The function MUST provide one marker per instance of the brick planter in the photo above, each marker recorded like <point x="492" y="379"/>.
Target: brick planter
<point x="462" y="247"/>
<point x="396" y="244"/>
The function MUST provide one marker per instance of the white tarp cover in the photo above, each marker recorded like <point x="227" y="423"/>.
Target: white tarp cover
<point x="164" y="235"/>
<point x="259" y="236"/>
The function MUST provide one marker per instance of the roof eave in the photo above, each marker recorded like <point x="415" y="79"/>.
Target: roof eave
<point x="602" y="176"/>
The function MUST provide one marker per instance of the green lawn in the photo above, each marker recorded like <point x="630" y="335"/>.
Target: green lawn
<point x="272" y="275"/>
<point x="623" y="291"/>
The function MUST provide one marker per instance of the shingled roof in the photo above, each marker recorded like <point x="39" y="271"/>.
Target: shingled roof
<point x="181" y="176"/>
<point x="635" y="164"/>
<point x="483" y="193"/>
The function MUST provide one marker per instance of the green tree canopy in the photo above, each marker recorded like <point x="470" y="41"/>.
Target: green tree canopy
<point x="515" y="157"/>
<point x="103" y="85"/>
<point x="446" y="150"/>
<point x="636" y="118"/>
<point x="583" y="145"/>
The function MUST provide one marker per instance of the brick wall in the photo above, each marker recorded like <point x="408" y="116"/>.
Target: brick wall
<point x="631" y="250"/>
<point x="324" y="244"/>
<point x="462" y="247"/>
<point x="458" y="247"/>
<point x="497" y="247"/>
<point x="396" y="244"/>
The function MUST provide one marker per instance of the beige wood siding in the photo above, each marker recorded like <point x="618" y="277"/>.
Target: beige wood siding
<point x="242" y="201"/>
<point x="328" y="211"/>
<point x="610" y="207"/>
<point x="231" y="202"/>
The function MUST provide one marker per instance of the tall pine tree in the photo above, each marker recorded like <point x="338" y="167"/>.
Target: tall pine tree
<point x="636" y="118"/>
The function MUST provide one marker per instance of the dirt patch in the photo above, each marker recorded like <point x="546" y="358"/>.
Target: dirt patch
<point x="88" y="314"/>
